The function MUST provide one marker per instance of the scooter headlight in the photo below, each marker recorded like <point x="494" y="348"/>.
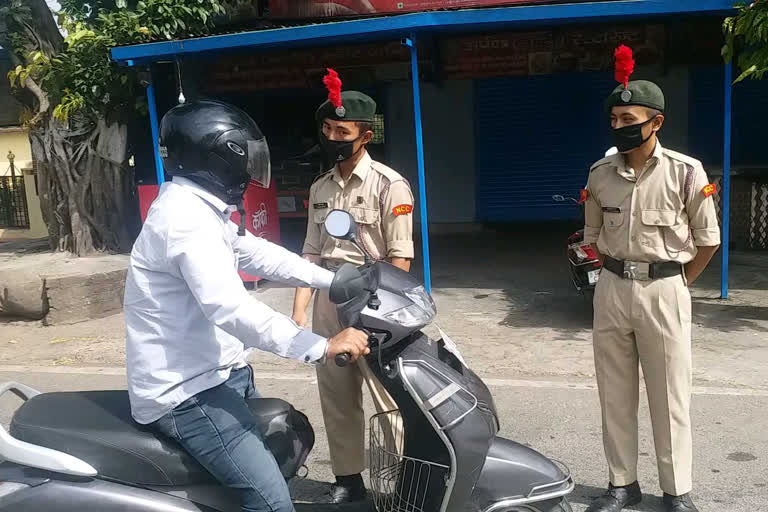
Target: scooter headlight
<point x="421" y="312"/>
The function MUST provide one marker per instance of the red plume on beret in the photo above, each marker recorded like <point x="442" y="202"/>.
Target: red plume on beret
<point x="625" y="64"/>
<point x="333" y="84"/>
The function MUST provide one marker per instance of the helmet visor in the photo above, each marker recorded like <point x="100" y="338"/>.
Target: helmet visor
<point x="259" y="163"/>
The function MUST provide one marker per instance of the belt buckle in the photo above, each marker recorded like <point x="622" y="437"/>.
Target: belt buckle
<point x="637" y="271"/>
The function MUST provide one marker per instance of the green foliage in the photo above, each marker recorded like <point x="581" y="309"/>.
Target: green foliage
<point x="82" y="79"/>
<point x="746" y="37"/>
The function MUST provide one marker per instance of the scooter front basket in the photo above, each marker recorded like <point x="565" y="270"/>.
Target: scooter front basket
<point x="401" y="483"/>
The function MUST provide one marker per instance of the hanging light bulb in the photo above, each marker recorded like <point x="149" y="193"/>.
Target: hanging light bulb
<point x="182" y="98"/>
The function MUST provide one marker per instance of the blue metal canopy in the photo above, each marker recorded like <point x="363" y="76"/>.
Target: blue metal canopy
<point x="408" y="27"/>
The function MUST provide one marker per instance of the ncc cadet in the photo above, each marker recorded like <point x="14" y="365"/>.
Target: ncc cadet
<point x="650" y="213"/>
<point x="381" y="202"/>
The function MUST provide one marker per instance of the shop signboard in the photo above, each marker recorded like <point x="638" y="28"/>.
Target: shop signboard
<point x="340" y="8"/>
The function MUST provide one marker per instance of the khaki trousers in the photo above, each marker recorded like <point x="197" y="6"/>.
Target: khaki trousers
<point x="341" y="398"/>
<point x="647" y="322"/>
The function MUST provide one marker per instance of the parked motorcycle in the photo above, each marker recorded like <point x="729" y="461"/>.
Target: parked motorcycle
<point x="583" y="263"/>
<point x="439" y="452"/>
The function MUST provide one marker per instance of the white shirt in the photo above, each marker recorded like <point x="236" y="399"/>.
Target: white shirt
<point x="188" y="316"/>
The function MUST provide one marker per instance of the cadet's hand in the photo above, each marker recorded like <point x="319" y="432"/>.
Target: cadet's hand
<point x="351" y="341"/>
<point x="301" y="318"/>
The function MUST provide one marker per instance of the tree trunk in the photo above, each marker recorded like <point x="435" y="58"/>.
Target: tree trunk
<point x="86" y="190"/>
<point x="87" y="200"/>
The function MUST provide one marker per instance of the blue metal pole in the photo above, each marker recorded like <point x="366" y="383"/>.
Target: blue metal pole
<point x="153" y="123"/>
<point x="411" y="42"/>
<point x="726" y="180"/>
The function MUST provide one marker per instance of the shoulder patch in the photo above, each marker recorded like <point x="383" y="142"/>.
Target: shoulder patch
<point x="709" y="190"/>
<point x="403" y="209"/>
<point x="674" y="155"/>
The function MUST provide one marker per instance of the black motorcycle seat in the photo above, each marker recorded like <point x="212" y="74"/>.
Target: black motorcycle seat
<point x="97" y="427"/>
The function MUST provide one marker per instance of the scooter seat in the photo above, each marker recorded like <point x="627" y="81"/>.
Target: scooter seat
<point x="96" y="427"/>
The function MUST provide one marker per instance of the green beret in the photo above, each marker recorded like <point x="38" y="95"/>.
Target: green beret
<point x="356" y="106"/>
<point x="638" y="92"/>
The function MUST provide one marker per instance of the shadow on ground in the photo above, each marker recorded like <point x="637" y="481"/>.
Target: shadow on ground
<point x="24" y="247"/>
<point x="584" y="494"/>
<point x="312" y="496"/>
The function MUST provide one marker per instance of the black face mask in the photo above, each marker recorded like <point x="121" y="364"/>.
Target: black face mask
<point x="339" y="150"/>
<point x="630" y="137"/>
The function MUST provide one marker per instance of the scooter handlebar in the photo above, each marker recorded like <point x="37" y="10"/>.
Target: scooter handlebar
<point x="343" y="359"/>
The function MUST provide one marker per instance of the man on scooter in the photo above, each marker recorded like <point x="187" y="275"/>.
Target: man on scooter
<point x="188" y="316"/>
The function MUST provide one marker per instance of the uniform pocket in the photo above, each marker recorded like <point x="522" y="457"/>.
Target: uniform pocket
<point x="363" y="215"/>
<point x="661" y="228"/>
<point x="613" y="220"/>
<point x="659" y="218"/>
<point x="320" y="215"/>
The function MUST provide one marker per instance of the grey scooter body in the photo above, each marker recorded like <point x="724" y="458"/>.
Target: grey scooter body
<point x="137" y="470"/>
<point x="81" y="452"/>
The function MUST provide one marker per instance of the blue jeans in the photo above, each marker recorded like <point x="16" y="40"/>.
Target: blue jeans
<point x="219" y="431"/>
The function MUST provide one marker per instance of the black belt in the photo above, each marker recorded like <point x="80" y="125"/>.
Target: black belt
<point x="640" y="271"/>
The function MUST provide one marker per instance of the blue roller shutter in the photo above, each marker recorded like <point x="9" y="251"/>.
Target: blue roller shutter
<point x="535" y="137"/>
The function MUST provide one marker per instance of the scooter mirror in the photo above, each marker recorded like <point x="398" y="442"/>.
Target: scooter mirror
<point x="340" y="224"/>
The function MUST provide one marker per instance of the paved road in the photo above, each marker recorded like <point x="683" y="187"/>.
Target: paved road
<point x="560" y="419"/>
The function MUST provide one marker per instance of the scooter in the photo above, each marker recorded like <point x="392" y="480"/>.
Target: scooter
<point x="583" y="262"/>
<point x="439" y="452"/>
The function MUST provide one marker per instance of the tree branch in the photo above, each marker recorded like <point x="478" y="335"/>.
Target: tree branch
<point x="42" y="98"/>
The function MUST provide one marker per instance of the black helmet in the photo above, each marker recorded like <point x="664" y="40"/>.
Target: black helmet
<point x="216" y="145"/>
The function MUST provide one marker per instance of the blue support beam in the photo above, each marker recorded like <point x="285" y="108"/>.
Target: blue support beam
<point x="419" y="134"/>
<point x="726" y="192"/>
<point x="154" y="125"/>
<point x="371" y="29"/>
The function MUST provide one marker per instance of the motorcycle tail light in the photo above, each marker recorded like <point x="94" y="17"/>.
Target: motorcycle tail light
<point x="589" y="252"/>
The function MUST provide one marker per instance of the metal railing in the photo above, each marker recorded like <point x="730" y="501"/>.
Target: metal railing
<point x="13" y="203"/>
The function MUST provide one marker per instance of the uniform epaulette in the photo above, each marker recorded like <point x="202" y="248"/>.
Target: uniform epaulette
<point x="387" y="172"/>
<point x="321" y="175"/>
<point x="602" y="162"/>
<point x="674" y="155"/>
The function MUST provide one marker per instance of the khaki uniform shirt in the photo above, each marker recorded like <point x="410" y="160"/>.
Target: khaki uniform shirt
<point x="381" y="202"/>
<point x="660" y="213"/>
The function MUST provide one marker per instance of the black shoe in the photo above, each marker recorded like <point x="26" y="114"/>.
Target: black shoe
<point x="616" y="498"/>
<point x="679" y="503"/>
<point x="348" y="489"/>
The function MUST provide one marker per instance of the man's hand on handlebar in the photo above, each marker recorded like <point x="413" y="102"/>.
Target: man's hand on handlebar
<point x="350" y="341"/>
